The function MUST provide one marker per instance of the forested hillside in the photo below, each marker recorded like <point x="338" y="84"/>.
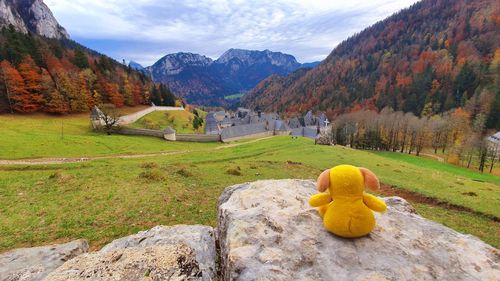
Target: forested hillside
<point x="38" y="74"/>
<point x="432" y="57"/>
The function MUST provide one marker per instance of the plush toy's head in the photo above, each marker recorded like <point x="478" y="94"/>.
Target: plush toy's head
<point x="347" y="180"/>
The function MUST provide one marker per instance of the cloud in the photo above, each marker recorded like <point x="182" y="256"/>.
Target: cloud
<point x="145" y="30"/>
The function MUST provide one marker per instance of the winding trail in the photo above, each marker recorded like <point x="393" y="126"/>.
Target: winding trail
<point x="64" y="160"/>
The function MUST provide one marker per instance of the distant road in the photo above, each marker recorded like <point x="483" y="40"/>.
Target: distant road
<point x="63" y="160"/>
<point x="131" y="118"/>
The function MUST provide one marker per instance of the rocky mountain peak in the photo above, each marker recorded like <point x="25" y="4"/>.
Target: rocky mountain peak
<point x="31" y="16"/>
<point x="173" y="64"/>
<point x="254" y="57"/>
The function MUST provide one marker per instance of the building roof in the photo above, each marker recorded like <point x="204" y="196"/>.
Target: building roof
<point x="169" y="131"/>
<point x="494" y="138"/>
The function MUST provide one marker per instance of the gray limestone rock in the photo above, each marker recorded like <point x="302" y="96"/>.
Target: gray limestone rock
<point x="36" y="263"/>
<point x="267" y="231"/>
<point x="181" y="252"/>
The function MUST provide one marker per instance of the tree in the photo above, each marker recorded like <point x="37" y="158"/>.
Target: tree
<point x="197" y="120"/>
<point x="15" y="88"/>
<point x="80" y="59"/>
<point x="110" y="117"/>
<point x="126" y="90"/>
<point x="33" y="84"/>
<point x="56" y="103"/>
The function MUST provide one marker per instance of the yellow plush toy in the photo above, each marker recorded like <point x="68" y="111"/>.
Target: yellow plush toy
<point x="345" y="208"/>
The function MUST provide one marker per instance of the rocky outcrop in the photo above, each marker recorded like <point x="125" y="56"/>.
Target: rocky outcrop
<point x="31" y="16"/>
<point x="267" y="231"/>
<point x="35" y="263"/>
<point x="163" y="253"/>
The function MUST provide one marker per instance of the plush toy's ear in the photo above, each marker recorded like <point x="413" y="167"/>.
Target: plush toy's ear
<point x="371" y="180"/>
<point x="323" y="181"/>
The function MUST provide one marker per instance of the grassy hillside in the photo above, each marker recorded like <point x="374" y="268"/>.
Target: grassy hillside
<point x="99" y="200"/>
<point x="47" y="136"/>
<point x="180" y="121"/>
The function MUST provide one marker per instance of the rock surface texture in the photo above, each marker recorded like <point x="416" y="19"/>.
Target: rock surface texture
<point x="31" y="16"/>
<point x="267" y="231"/>
<point x="163" y="253"/>
<point x="35" y="263"/>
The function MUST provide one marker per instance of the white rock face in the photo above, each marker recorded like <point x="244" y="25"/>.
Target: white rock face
<point x="163" y="253"/>
<point x="9" y="15"/>
<point x="31" y="16"/>
<point x="175" y="63"/>
<point x="35" y="263"/>
<point x="44" y="22"/>
<point x="267" y="231"/>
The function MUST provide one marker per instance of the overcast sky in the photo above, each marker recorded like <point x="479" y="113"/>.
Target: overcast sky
<point x="146" y="30"/>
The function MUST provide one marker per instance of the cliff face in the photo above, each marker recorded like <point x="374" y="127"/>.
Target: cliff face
<point x="31" y="16"/>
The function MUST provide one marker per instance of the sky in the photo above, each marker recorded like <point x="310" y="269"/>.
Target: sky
<point x="146" y="30"/>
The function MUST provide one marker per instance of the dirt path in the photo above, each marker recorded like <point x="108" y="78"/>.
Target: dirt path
<point x="415" y="197"/>
<point x="63" y="160"/>
<point x="440" y="159"/>
<point x="238" y="144"/>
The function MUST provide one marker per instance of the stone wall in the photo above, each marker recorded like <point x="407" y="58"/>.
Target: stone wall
<point x="197" y="138"/>
<point x="139" y="132"/>
<point x="255" y="135"/>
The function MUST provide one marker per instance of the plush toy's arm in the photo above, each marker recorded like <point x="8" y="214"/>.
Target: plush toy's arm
<point x="320" y="199"/>
<point x="374" y="203"/>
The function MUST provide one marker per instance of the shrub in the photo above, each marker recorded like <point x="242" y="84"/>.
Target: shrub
<point x="149" y="165"/>
<point x="60" y="177"/>
<point x="233" y="172"/>
<point x="184" y="172"/>
<point x="151" y="124"/>
<point x="152" y="175"/>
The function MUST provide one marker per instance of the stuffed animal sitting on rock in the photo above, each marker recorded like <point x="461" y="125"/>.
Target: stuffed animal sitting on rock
<point x="345" y="207"/>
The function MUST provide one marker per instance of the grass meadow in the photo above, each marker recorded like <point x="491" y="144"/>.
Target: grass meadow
<point x="104" y="199"/>
<point x="180" y="121"/>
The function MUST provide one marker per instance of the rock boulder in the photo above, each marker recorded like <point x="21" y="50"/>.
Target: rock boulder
<point x="35" y="263"/>
<point x="179" y="252"/>
<point x="267" y="231"/>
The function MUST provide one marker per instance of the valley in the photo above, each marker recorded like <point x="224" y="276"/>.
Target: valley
<point x="39" y="201"/>
<point x="98" y="146"/>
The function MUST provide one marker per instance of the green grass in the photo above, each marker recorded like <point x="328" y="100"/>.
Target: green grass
<point x="104" y="199"/>
<point x="180" y="121"/>
<point x="433" y="164"/>
<point x="70" y="136"/>
<point x="234" y="97"/>
<point x="485" y="228"/>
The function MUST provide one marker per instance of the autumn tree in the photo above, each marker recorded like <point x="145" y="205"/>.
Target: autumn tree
<point x="34" y="87"/>
<point x="16" y="90"/>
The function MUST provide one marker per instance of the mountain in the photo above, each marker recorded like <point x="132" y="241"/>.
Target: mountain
<point x="310" y="64"/>
<point x="431" y="57"/>
<point x="31" y="16"/>
<point x="135" y="66"/>
<point x="41" y="70"/>
<point x="201" y="80"/>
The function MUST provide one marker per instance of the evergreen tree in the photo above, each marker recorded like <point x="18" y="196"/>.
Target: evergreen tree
<point x="80" y="59"/>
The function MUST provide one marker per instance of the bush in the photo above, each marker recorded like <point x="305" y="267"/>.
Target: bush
<point x="150" y="124"/>
<point x="233" y="172"/>
<point x="152" y="175"/>
<point x="149" y="165"/>
<point x="184" y="172"/>
<point x="60" y="177"/>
